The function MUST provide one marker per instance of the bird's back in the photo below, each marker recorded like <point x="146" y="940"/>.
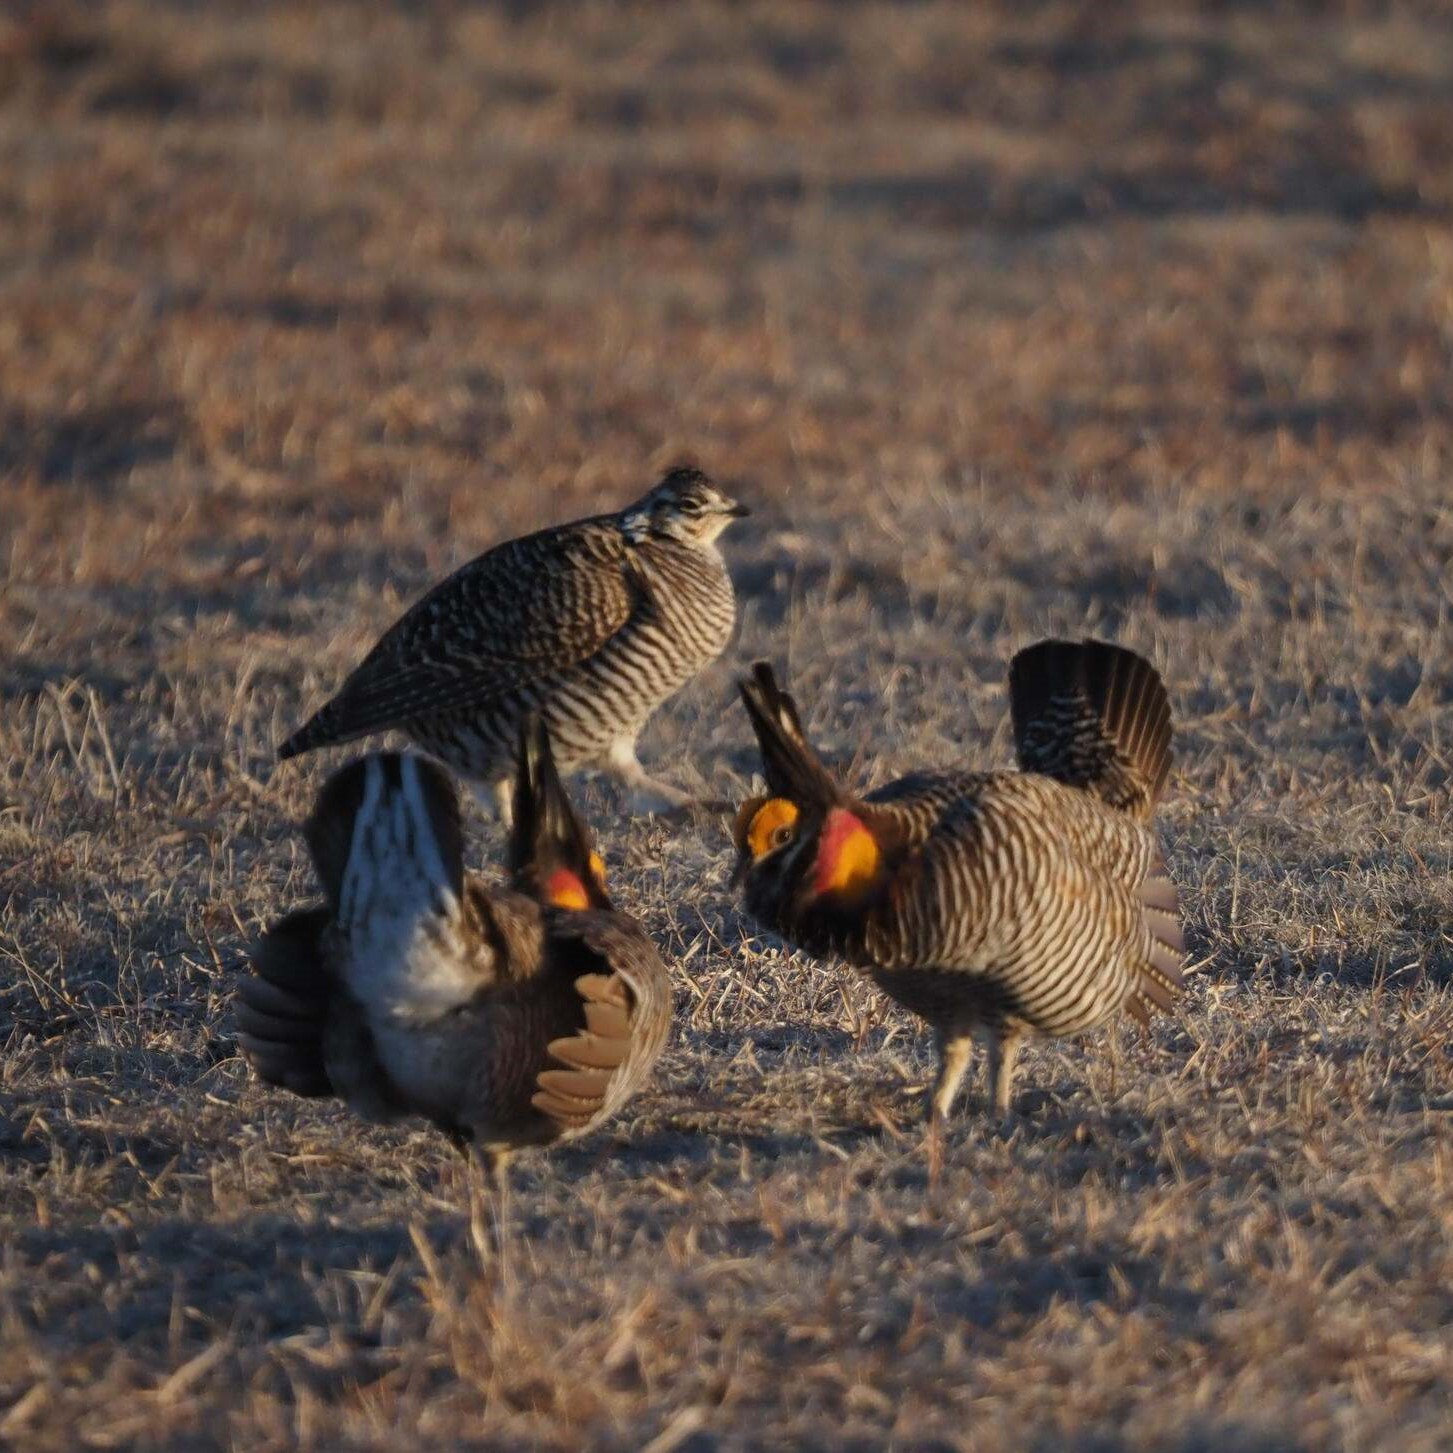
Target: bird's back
<point x="590" y="625"/>
<point x="1024" y="893"/>
<point x="518" y="614"/>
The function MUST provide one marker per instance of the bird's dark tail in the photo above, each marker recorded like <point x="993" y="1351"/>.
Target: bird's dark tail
<point x="385" y="820"/>
<point x="282" y="1004"/>
<point x="1094" y="716"/>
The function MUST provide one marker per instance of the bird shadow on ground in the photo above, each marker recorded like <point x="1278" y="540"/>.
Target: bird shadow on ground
<point x="1205" y="1436"/>
<point x="263" y="1272"/>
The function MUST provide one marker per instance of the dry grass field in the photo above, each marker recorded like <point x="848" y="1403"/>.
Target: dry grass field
<point x="1007" y="319"/>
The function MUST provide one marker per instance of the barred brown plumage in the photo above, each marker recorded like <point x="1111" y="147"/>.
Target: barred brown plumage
<point x="1010" y="903"/>
<point x="590" y="625"/>
<point x="507" y="1016"/>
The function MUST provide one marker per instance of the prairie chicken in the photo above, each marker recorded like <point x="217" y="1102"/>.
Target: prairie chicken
<point x="507" y="1016"/>
<point x="1010" y="903"/>
<point x="591" y="625"/>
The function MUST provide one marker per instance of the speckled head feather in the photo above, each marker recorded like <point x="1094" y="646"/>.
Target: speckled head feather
<point x="686" y="506"/>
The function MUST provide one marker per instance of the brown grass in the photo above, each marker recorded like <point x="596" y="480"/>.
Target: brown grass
<point x="1008" y="319"/>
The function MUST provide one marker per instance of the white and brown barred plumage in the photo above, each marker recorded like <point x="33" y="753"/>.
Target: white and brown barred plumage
<point x="507" y="1016"/>
<point x="1010" y="903"/>
<point x="590" y="625"/>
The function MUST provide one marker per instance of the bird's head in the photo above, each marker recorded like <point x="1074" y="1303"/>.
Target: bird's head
<point x="801" y="858"/>
<point x="808" y="845"/>
<point x="684" y="506"/>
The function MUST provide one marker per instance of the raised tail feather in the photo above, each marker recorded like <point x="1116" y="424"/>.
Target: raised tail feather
<point x="398" y="810"/>
<point x="547" y="832"/>
<point x="1095" y="716"/>
<point x="282" y="1005"/>
<point x="791" y="765"/>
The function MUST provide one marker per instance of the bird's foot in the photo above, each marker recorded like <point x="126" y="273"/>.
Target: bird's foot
<point x="659" y="799"/>
<point x="934" y="1148"/>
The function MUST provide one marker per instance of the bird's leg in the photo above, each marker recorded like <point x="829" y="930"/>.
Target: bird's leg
<point x="954" y="1048"/>
<point x="503" y="792"/>
<point x="494" y="1160"/>
<point x="648" y="794"/>
<point x="935" y="1148"/>
<point x="1003" y="1052"/>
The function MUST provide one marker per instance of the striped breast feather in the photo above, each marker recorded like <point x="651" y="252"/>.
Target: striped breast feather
<point x="1094" y="716"/>
<point x="524" y="610"/>
<point x="691" y="595"/>
<point x="626" y="1002"/>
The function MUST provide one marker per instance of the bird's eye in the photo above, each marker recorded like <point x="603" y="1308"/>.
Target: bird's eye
<point x="781" y="836"/>
<point x="692" y="506"/>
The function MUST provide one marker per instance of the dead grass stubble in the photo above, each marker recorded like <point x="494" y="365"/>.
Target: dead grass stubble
<point x="1007" y="326"/>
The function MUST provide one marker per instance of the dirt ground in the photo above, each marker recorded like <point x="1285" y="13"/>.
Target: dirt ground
<point x="1006" y="319"/>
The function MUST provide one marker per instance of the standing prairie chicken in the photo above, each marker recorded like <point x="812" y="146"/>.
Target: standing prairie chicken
<point x="590" y="625"/>
<point x="1012" y="903"/>
<point x="507" y="1016"/>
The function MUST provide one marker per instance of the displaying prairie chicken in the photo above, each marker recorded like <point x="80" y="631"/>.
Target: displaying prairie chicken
<point x="507" y="1016"/>
<point x="1011" y="903"/>
<point x="590" y="625"/>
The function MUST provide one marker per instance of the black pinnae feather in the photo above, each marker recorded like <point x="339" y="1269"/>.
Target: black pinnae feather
<point x="792" y="768"/>
<point x="547" y="833"/>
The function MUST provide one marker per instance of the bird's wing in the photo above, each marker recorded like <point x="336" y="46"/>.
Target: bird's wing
<point x="627" y="1007"/>
<point x="1163" y="952"/>
<point x="918" y="802"/>
<point x="301" y="1029"/>
<point x="527" y="608"/>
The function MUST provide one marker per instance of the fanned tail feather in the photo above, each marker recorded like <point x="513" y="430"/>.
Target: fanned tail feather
<point x="282" y="1005"/>
<point x="1094" y="716"/>
<point x="408" y="809"/>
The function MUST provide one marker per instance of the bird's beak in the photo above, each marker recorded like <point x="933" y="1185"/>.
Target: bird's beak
<point x="737" y="510"/>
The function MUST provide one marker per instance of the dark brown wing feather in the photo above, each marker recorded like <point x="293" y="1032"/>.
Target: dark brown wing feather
<point x="282" y="1004"/>
<point x="530" y="606"/>
<point x="1094" y="716"/>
